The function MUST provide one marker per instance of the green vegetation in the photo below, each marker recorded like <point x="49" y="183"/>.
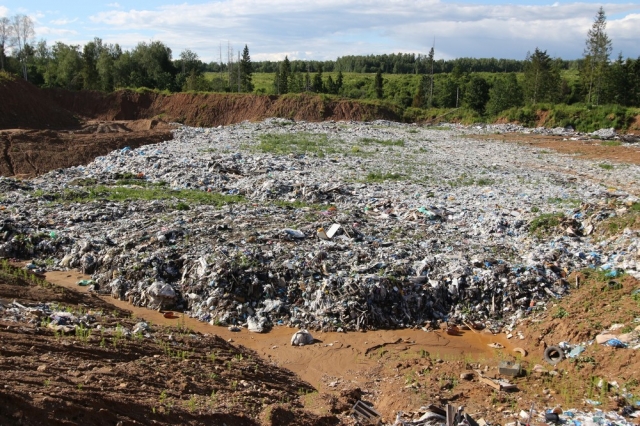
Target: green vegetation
<point x="299" y="143"/>
<point x="379" y="177"/>
<point x="589" y="93"/>
<point x="122" y="193"/>
<point x="545" y="223"/>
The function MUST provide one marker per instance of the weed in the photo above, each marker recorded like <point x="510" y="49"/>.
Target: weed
<point x="182" y="206"/>
<point x="379" y="177"/>
<point x="545" y="222"/>
<point x="610" y="143"/>
<point x="299" y="143"/>
<point x="605" y="166"/>
<point x="83" y="333"/>
<point x="192" y="403"/>
<point x="560" y="313"/>
<point x="47" y="383"/>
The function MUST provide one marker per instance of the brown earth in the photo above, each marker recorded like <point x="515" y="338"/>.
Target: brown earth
<point x="213" y="109"/>
<point x="28" y="153"/>
<point x="261" y="379"/>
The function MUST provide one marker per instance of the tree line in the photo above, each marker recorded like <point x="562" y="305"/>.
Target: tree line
<point x="486" y="85"/>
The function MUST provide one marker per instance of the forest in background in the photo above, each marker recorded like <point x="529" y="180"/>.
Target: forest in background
<point x="420" y="86"/>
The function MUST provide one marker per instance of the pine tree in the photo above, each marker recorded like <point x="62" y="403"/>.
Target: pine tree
<point x="596" y="58"/>
<point x="318" y="85"/>
<point x="246" y="71"/>
<point x="541" y="78"/>
<point x="339" y="82"/>
<point x="284" y="76"/>
<point x="378" y="83"/>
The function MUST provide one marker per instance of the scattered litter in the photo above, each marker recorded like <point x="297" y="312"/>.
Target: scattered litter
<point x="553" y="354"/>
<point x="388" y="256"/>
<point x="301" y="338"/>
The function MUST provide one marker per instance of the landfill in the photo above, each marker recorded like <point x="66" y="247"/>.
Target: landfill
<point x="327" y="226"/>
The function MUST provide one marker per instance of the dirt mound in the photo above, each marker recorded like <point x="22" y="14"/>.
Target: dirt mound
<point x="28" y="153"/>
<point x="214" y="109"/>
<point x="24" y="106"/>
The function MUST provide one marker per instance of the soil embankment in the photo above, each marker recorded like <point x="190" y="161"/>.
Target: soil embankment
<point x="213" y="109"/>
<point x="24" y="106"/>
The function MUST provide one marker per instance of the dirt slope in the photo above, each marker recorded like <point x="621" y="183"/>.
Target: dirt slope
<point x="213" y="109"/>
<point x="28" y="153"/>
<point x="23" y="106"/>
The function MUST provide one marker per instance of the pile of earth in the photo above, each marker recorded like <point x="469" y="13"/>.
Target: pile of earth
<point x="28" y="153"/>
<point x="214" y="109"/>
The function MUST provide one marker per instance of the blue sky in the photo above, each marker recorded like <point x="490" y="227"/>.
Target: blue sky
<point x="331" y="28"/>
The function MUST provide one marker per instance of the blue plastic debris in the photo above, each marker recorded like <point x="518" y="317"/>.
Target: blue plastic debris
<point x="576" y="351"/>
<point x="615" y="343"/>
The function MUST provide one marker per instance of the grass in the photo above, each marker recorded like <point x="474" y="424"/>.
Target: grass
<point x="618" y="223"/>
<point x="299" y="143"/>
<point x="610" y="143"/>
<point x="122" y="193"/>
<point x="605" y="166"/>
<point x="545" y="223"/>
<point x="379" y="177"/>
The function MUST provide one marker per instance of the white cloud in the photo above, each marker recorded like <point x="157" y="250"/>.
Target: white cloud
<point x="57" y="34"/>
<point x="4" y="11"/>
<point x="332" y="28"/>
<point x="114" y="5"/>
<point x="63" y="21"/>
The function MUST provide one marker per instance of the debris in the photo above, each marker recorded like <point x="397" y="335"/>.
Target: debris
<point x="363" y="412"/>
<point x="553" y="355"/>
<point x="509" y="368"/>
<point x="301" y="338"/>
<point x="521" y="351"/>
<point x="392" y="256"/>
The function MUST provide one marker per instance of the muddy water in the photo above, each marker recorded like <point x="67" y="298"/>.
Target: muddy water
<point x="335" y="355"/>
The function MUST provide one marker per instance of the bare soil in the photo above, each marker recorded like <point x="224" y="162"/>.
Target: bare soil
<point x="261" y="379"/>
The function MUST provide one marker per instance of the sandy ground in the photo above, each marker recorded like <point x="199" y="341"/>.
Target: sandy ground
<point x="334" y="355"/>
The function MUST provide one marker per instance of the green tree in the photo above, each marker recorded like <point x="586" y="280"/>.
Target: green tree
<point x="318" y="84"/>
<point x="596" y="58"/>
<point x="90" y="56"/>
<point x="541" y="78"/>
<point x="477" y="94"/>
<point x="65" y="67"/>
<point x="505" y="93"/>
<point x="448" y="93"/>
<point x="284" y="76"/>
<point x="378" y="84"/>
<point x="339" y="82"/>
<point x="246" y="72"/>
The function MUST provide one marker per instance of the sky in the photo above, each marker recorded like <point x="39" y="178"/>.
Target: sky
<point x="328" y="29"/>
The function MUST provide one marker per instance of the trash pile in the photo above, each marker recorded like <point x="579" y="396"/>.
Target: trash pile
<point x="53" y="316"/>
<point x="329" y="226"/>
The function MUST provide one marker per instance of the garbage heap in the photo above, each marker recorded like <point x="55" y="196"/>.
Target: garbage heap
<point x="328" y="226"/>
